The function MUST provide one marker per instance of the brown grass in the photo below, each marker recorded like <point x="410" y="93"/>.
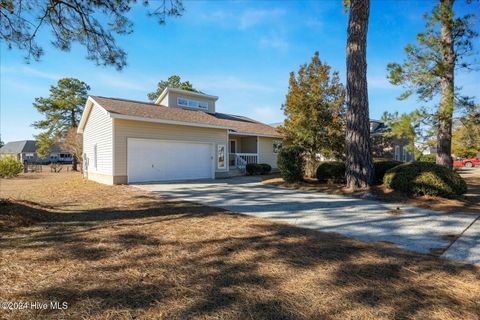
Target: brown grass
<point x="119" y="253"/>
<point x="469" y="203"/>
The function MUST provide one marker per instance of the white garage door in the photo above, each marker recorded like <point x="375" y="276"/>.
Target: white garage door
<point x="157" y="160"/>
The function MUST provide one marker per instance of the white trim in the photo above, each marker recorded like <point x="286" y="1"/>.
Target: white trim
<point x="113" y="148"/>
<point x="86" y="112"/>
<point x="191" y="93"/>
<point x="180" y="123"/>
<point x="212" y="144"/>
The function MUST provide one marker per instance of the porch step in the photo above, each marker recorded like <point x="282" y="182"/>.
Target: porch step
<point x="235" y="172"/>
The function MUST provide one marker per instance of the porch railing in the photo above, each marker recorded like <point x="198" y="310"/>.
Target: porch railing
<point x="242" y="159"/>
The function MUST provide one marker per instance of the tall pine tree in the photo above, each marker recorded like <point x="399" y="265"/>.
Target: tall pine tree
<point x="62" y="111"/>
<point x="429" y="68"/>
<point x="359" y="164"/>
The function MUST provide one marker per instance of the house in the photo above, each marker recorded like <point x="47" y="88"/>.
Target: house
<point x="389" y="147"/>
<point x="179" y="137"/>
<point x="26" y="151"/>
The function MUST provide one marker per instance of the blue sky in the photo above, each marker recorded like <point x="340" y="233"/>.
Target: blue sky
<point x="241" y="51"/>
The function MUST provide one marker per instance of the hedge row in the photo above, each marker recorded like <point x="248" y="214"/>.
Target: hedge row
<point x="334" y="171"/>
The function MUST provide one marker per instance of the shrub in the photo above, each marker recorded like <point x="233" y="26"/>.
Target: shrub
<point x="258" y="168"/>
<point x="382" y="166"/>
<point x="291" y="163"/>
<point x="266" y="168"/>
<point x="331" y="171"/>
<point x="10" y="167"/>
<point x="428" y="158"/>
<point x="425" y="178"/>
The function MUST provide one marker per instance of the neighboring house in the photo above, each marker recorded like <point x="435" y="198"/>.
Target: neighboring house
<point x="384" y="146"/>
<point x="179" y="137"/>
<point x="26" y="151"/>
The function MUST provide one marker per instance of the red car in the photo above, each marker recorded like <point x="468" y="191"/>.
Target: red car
<point x="468" y="163"/>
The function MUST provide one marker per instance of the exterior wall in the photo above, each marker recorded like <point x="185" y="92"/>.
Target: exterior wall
<point x="265" y="153"/>
<point x="247" y="145"/>
<point x="125" y="129"/>
<point x="170" y="100"/>
<point x="98" y="131"/>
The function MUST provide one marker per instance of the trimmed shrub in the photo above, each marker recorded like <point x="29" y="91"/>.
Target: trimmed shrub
<point x="266" y="168"/>
<point x="258" y="168"/>
<point x="382" y="166"/>
<point x="331" y="171"/>
<point x="428" y="158"/>
<point x="10" y="167"/>
<point x="291" y="163"/>
<point x="253" y="169"/>
<point x="425" y="178"/>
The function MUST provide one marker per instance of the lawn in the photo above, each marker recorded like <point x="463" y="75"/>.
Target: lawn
<point x="114" y="252"/>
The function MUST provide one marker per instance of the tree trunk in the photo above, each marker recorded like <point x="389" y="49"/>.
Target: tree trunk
<point x="359" y="165"/>
<point x="445" y="111"/>
<point x="74" y="163"/>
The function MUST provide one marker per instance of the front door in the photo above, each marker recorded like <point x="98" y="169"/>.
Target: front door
<point x="233" y="149"/>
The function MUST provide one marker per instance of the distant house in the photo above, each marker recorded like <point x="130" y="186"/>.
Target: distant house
<point x="385" y="146"/>
<point x="26" y="151"/>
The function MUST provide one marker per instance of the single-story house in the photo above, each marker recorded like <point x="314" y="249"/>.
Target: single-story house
<point x="26" y="151"/>
<point x="179" y="137"/>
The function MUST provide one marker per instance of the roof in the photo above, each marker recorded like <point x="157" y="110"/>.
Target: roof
<point x="25" y="146"/>
<point x="145" y="110"/>
<point x="187" y="92"/>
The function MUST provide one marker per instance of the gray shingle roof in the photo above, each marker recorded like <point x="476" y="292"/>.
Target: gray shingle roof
<point x="29" y="146"/>
<point x="241" y="124"/>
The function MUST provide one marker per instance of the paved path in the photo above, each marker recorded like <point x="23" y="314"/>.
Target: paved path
<point x="414" y="228"/>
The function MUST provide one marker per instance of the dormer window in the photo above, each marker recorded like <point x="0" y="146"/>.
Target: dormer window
<point x="189" y="103"/>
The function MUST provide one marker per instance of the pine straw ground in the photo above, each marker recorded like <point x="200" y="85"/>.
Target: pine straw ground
<point x="119" y="253"/>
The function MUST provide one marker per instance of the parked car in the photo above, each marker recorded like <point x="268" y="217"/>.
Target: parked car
<point x="468" y="163"/>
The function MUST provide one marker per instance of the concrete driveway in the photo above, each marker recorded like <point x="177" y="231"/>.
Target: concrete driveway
<point x="413" y="228"/>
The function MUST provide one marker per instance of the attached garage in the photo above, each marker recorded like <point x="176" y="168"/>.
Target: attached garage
<point x="164" y="160"/>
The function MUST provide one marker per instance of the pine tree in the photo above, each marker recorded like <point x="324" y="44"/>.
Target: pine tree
<point x="429" y="68"/>
<point x="359" y="165"/>
<point x="315" y="110"/>
<point x="62" y="111"/>
<point x="172" y="82"/>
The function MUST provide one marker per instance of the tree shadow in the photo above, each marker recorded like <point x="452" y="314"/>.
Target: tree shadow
<point x="181" y="260"/>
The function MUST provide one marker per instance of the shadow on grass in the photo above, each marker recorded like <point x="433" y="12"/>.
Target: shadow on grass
<point x="181" y="260"/>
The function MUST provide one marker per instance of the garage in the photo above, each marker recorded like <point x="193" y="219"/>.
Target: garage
<point x="159" y="160"/>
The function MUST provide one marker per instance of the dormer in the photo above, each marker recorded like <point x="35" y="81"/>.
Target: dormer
<point x="178" y="98"/>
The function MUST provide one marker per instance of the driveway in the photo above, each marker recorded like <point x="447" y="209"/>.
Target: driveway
<point x="410" y="228"/>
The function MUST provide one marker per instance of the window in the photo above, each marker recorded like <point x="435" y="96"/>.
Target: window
<point x="29" y="155"/>
<point x="397" y="153"/>
<point x="182" y="102"/>
<point x="221" y="156"/>
<point x="95" y="156"/>
<point x="404" y="158"/>
<point x="277" y="145"/>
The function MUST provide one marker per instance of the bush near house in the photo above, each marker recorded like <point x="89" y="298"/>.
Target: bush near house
<point x="425" y="178"/>
<point x="331" y="171"/>
<point x="291" y="163"/>
<point x="382" y="166"/>
<point x="427" y="158"/>
<point x="258" y="168"/>
<point x="334" y="171"/>
<point x="10" y="167"/>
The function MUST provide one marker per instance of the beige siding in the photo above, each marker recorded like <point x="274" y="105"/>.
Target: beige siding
<point x="265" y="152"/>
<point x="125" y="129"/>
<point x="98" y="131"/>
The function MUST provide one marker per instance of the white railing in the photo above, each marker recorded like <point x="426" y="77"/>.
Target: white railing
<point x="242" y="159"/>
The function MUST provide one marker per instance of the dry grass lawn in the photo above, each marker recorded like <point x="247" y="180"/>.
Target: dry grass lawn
<point x="112" y="252"/>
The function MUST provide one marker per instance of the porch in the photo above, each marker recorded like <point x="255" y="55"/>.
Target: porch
<point x="242" y="150"/>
